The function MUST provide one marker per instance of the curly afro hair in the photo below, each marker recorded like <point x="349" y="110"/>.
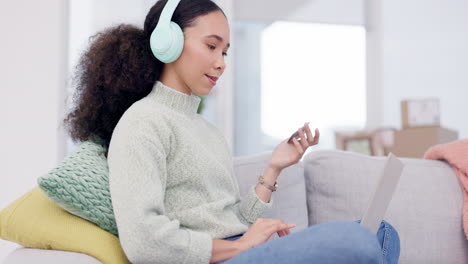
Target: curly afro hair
<point x="114" y="73"/>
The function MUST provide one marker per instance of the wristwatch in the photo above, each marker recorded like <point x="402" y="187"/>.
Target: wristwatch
<point x="272" y="188"/>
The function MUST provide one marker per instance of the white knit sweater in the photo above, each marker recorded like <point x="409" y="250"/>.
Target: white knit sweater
<point x="172" y="182"/>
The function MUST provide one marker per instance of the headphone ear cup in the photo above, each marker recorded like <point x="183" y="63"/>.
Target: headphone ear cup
<point x="167" y="43"/>
<point x="178" y="46"/>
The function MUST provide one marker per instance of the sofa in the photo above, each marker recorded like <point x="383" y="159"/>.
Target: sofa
<point x="331" y="185"/>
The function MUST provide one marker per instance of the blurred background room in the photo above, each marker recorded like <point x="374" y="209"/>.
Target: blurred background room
<point x="373" y="75"/>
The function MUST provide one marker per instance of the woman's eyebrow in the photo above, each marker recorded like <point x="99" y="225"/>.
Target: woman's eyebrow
<point x="218" y="38"/>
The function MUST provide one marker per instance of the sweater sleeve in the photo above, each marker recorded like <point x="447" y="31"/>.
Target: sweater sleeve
<point x="251" y="207"/>
<point x="137" y="180"/>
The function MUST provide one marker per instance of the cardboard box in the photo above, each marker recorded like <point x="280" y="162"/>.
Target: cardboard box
<point x="414" y="142"/>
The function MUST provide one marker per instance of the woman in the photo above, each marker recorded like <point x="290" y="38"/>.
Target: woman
<point x="173" y="189"/>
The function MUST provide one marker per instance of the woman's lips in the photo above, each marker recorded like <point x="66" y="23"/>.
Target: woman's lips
<point x="212" y="79"/>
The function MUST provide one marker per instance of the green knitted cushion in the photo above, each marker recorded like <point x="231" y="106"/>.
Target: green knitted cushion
<point x="80" y="185"/>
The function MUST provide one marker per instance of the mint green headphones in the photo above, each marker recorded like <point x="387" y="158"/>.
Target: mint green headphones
<point x="167" y="39"/>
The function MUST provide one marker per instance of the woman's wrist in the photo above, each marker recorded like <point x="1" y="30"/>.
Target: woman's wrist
<point x="271" y="174"/>
<point x="241" y="245"/>
<point x="225" y="249"/>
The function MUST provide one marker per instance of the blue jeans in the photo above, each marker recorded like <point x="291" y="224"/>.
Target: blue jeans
<point x="333" y="243"/>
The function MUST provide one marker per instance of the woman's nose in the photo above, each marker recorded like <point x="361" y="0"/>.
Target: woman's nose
<point x="220" y="64"/>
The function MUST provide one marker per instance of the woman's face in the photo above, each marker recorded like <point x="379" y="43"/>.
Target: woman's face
<point x="202" y="60"/>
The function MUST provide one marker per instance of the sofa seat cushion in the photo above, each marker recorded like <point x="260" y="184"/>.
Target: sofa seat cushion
<point x="42" y="256"/>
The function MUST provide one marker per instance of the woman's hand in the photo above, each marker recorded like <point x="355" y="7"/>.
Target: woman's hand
<point x="287" y="154"/>
<point x="260" y="231"/>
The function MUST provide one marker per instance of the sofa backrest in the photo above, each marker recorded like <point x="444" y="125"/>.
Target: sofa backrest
<point x="289" y="201"/>
<point x="426" y="208"/>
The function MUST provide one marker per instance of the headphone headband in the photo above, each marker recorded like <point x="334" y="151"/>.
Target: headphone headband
<point x="166" y="14"/>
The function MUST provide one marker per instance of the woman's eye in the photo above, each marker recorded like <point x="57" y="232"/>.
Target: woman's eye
<point x="213" y="47"/>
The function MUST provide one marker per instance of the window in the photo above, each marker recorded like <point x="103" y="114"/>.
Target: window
<point x="308" y="72"/>
<point x="312" y="72"/>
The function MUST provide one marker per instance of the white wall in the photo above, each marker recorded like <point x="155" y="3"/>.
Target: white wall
<point x="424" y="53"/>
<point x="347" y="12"/>
<point x="32" y="70"/>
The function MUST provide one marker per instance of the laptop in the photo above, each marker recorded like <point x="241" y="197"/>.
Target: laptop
<point x="378" y="204"/>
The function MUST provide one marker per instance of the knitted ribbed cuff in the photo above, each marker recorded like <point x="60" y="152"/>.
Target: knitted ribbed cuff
<point x="200" y="248"/>
<point x="252" y="207"/>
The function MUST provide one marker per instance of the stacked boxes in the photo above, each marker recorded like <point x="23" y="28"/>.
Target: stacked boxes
<point x="421" y="129"/>
<point x="414" y="142"/>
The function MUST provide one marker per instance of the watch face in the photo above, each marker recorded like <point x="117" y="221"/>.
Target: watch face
<point x="423" y="112"/>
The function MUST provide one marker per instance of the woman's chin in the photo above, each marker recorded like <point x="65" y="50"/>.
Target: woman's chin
<point x="203" y="92"/>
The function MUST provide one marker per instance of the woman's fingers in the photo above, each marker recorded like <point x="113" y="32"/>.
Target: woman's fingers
<point x="316" y="137"/>
<point x="278" y="226"/>
<point x="310" y="138"/>
<point x="298" y="146"/>
<point x="304" y="142"/>
<point x="285" y="226"/>
<point x="281" y="233"/>
<point x="285" y="229"/>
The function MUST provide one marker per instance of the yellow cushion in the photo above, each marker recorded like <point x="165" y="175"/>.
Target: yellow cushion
<point x="34" y="221"/>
